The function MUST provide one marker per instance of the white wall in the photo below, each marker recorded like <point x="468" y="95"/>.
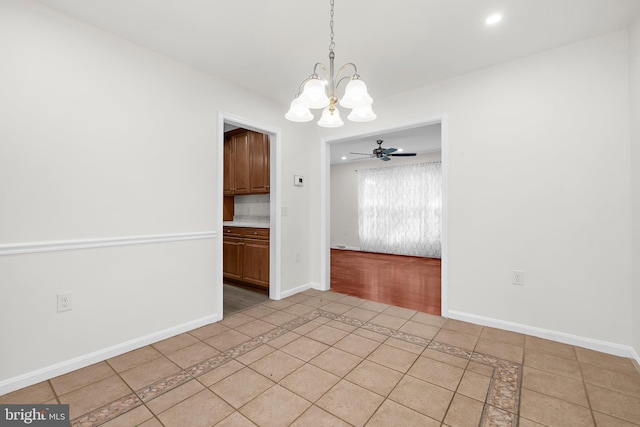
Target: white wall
<point x="344" y="195"/>
<point x="634" y="74"/>
<point x="539" y="180"/>
<point x="100" y="138"/>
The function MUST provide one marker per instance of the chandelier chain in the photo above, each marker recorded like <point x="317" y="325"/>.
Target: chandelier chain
<point x="317" y="92"/>
<point x="332" y="45"/>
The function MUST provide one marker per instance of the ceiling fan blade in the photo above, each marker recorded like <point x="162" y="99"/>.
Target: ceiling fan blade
<point x="403" y="154"/>
<point x="389" y="150"/>
<point x="362" y="159"/>
<point x="385" y="159"/>
<point x="363" y="154"/>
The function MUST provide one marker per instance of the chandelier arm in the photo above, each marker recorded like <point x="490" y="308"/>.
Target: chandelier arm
<point x="345" y="66"/>
<point x="324" y="69"/>
<point x="312" y="76"/>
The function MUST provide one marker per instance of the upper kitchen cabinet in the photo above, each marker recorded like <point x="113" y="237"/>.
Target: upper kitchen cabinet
<point x="236" y="162"/>
<point x="259" y="163"/>
<point x="246" y="162"/>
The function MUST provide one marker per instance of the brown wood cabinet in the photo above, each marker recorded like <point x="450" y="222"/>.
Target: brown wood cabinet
<point x="246" y="162"/>
<point x="245" y="255"/>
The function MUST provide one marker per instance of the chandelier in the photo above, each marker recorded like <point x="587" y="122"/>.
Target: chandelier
<point x="316" y="92"/>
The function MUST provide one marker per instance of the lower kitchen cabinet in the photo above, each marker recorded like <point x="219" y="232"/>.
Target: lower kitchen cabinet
<point x="232" y="257"/>
<point x="245" y="255"/>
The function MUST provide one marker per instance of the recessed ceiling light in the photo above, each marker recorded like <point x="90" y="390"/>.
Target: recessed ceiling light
<point x="344" y="158"/>
<point x="493" y="19"/>
<point x="400" y="150"/>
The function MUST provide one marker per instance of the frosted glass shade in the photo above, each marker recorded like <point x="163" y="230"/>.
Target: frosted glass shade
<point x="329" y="119"/>
<point x="314" y="94"/>
<point x="298" y="112"/>
<point x="362" y="114"/>
<point x="355" y="95"/>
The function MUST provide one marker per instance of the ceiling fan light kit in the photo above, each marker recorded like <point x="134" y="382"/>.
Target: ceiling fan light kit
<point x="385" y="153"/>
<point x="321" y="93"/>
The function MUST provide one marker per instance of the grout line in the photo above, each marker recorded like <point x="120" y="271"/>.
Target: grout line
<point x="194" y="371"/>
<point x="586" y="392"/>
<point x="53" y="390"/>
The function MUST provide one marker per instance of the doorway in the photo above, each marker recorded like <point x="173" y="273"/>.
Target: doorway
<point x="328" y="236"/>
<point x="225" y="122"/>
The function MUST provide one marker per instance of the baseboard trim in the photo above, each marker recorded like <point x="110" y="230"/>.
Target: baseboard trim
<point x="295" y="290"/>
<point x="590" y="343"/>
<point x="66" y="245"/>
<point x="302" y="288"/>
<point x="636" y="359"/>
<point x="346" y="248"/>
<point x="30" y="378"/>
<point x="318" y="287"/>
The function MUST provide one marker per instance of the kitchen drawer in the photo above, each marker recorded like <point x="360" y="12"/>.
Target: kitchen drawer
<point x="232" y="231"/>
<point x="256" y="233"/>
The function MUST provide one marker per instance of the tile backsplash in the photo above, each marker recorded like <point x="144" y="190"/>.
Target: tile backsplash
<point x="253" y="207"/>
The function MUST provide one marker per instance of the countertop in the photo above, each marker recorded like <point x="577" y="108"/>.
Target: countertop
<point x="246" y="224"/>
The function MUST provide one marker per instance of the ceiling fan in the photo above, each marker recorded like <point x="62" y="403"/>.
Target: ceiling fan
<point x="384" y="153"/>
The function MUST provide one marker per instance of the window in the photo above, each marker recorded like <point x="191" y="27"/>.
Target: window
<point x="400" y="209"/>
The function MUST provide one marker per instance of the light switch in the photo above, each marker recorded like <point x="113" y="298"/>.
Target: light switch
<point x="298" y="180"/>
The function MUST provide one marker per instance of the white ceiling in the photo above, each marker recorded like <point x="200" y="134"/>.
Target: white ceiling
<point x="270" y="46"/>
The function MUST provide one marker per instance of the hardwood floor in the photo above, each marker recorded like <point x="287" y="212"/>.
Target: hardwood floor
<point x="404" y="281"/>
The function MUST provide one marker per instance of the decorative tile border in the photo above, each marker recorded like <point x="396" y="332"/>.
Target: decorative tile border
<point x="108" y="412"/>
<point x="503" y="397"/>
<point x="163" y="386"/>
<point x="504" y="389"/>
<point x="500" y="409"/>
<point x="449" y="349"/>
<point x="209" y="364"/>
<point x="496" y="417"/>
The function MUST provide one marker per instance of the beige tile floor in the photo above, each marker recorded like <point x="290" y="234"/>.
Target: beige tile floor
<point x="326" y="359"/>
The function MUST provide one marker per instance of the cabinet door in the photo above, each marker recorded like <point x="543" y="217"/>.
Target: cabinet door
<point x="228" y="166"/>
<point x="232" y="257"/>
<point x="241" y="163"/>
<point x="256" y="262"/>
<point x="259" y="162"/>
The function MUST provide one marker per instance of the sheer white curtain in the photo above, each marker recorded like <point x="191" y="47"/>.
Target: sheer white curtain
<point x="399" y="209"/>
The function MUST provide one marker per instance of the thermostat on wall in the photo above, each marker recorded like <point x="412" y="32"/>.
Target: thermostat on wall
<point x="298" y="180"/>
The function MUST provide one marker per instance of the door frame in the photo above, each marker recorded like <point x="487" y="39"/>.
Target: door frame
<point x="275" y="200"/>
<point x="325" y="207"/>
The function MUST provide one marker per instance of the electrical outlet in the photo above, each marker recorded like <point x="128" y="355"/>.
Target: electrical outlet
<point x="517" y="277"/>
<point x="65" y="302"/>
<point x="297" y="256"/>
